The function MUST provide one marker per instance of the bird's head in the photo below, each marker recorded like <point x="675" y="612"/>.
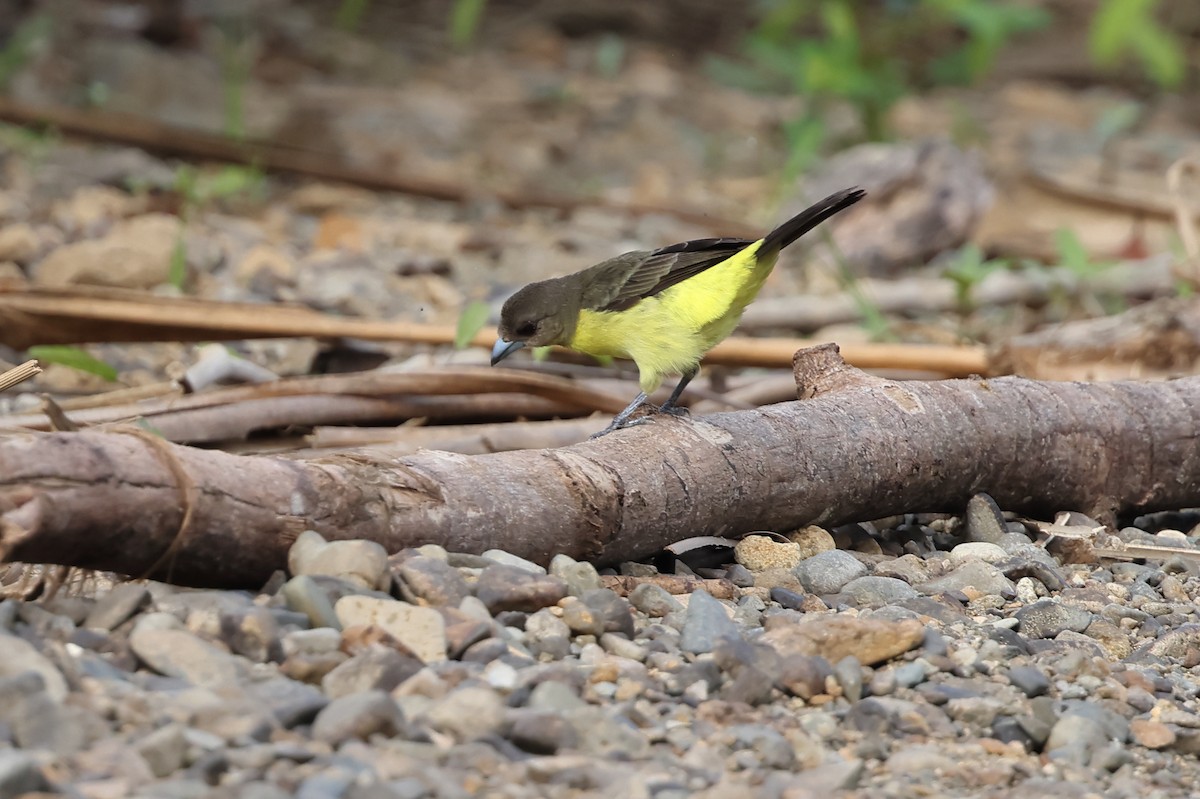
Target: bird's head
<point x="538" y="315"/>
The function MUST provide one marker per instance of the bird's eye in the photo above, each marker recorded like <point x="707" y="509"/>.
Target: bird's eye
<point x="527" y="329"/>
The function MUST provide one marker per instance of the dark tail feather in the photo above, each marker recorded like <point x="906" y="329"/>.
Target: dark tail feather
<point x="809" y="218"/>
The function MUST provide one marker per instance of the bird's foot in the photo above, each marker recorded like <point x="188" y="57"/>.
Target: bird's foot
<point x="674" y="410"/>
<point x="648" y="413"/>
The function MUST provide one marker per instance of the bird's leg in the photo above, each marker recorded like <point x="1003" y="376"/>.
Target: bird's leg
<point x="621" y="418"/>
<point x="669" y="406"/>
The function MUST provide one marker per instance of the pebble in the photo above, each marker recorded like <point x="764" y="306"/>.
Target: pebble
<point x="707" y="621"/>
<point x="117" y="606"/>
<point x="542" y="733"/>
<point x="464" y="683"/>
<point x="1076" y="739"/>
<point x="508" y="559"/>
<point x="804" y="675"/>
<point x="376" y="669"/>
<point x="362" y="562"/>
<point x="305" y="596"/>
<point x="504" y="587"/>
<point x="873" y="591"/>
<point x="20" y="775"/>
<point x="1027" y="591"/>
<point x="177" y="653"/>
<point x="164" y="750"/>
<point x="654" y="600"/>
<point x="579" y="577"/>
<point x="613" y="610"/>
<point x="849" y="674"/>
<point x="1151" y="734"/>
<point x="421" y="630"/>
<point x="827" y="572"/>
<point x="547" y="636"/>
<point x="432" y="581"/>
<point x="1177" y="644"/>
<point x="759" y="553"/>
<point x="358" y="716"/>
<point x="1047" y="618"/>
<point x="467" y="713"/>
<point x="909" y="568"/>
<point x="834" y="637"/>
<point x="20" y="657"/>
<point x="1029" y="680"/>
<point x="982" y="577"/>
<point x="135" y="254"/>
<point x="812" y="540"/>
<point x="984" y="521"/>
<point x="978" y="550"/>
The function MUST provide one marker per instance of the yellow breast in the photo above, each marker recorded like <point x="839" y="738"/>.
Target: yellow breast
<point x="669" y="332"/>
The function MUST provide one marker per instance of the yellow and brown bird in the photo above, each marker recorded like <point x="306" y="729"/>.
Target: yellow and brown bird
<point x="661" y="308"/>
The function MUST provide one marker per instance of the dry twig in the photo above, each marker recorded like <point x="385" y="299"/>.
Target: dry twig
<point x="19" y="374"/>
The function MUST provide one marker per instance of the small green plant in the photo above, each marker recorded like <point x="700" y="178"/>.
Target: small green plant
<point x="29" y="34"/>
<point x="472" y="319"/>
<point x="75" y="358"/>
<point x="610" y="55"/>
<point x="1129" y="29"/>
<point x="238" y="48"/>
<point x="465" y="18"/>
<point x="1080" y="293"/>
<point x="1074" y="256"/>
<point x="198" y="189"/>
<point x="870" y="55"/>
<point x="873" y="319"/>
<point x="967" y="270"/>
<point x="350" y="14"/>
<point x="35" y="143"/>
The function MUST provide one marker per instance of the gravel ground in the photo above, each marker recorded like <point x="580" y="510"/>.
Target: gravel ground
<point x="953" y="658"/>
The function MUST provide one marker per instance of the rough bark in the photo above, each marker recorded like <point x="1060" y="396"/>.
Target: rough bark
<point x="855" y="447"/>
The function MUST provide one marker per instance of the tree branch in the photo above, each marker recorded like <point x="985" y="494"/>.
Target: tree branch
<point x="855" y="447"/>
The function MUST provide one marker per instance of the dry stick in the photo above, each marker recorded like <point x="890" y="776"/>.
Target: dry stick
<point x="273" y="156"/>
<point x="927" y="295"/>
<point x="19" y="374"/>
<point x="1159" y="339"/>
<point x="71" y="316"/>
<point x="857" y="447"/>
<point x="361" y="396"/>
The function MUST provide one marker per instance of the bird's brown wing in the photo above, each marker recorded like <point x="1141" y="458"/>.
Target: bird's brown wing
<point x="622" y="282"/>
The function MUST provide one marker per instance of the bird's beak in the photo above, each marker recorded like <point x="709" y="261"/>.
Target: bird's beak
<point x="502" y="349"/>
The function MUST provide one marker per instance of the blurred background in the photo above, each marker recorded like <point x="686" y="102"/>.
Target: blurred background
<point x="420" y="160"/>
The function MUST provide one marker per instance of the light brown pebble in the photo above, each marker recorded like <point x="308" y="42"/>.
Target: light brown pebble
<point x="1151" y="734"/>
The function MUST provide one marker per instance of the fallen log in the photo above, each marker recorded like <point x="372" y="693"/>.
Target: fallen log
<point x="855" y="447"/>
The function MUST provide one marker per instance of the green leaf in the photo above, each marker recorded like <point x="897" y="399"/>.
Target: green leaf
<point x="472" y="319"/>
<point x="464" y="22"/>
<point x="1161" y="54"/>
<point x="74" y="358"/>
<point x="1071" y="252"/>
<point x="229" y="181"/>
<point x="350" y="14"/>
<point x="1109" y="33"/>
<point x="1123" y="28"/>
<point x="177" y="271"/>
<point x="610" y="56"/>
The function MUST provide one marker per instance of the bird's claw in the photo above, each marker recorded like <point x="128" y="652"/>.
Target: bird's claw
<point x="670" y="410"/>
